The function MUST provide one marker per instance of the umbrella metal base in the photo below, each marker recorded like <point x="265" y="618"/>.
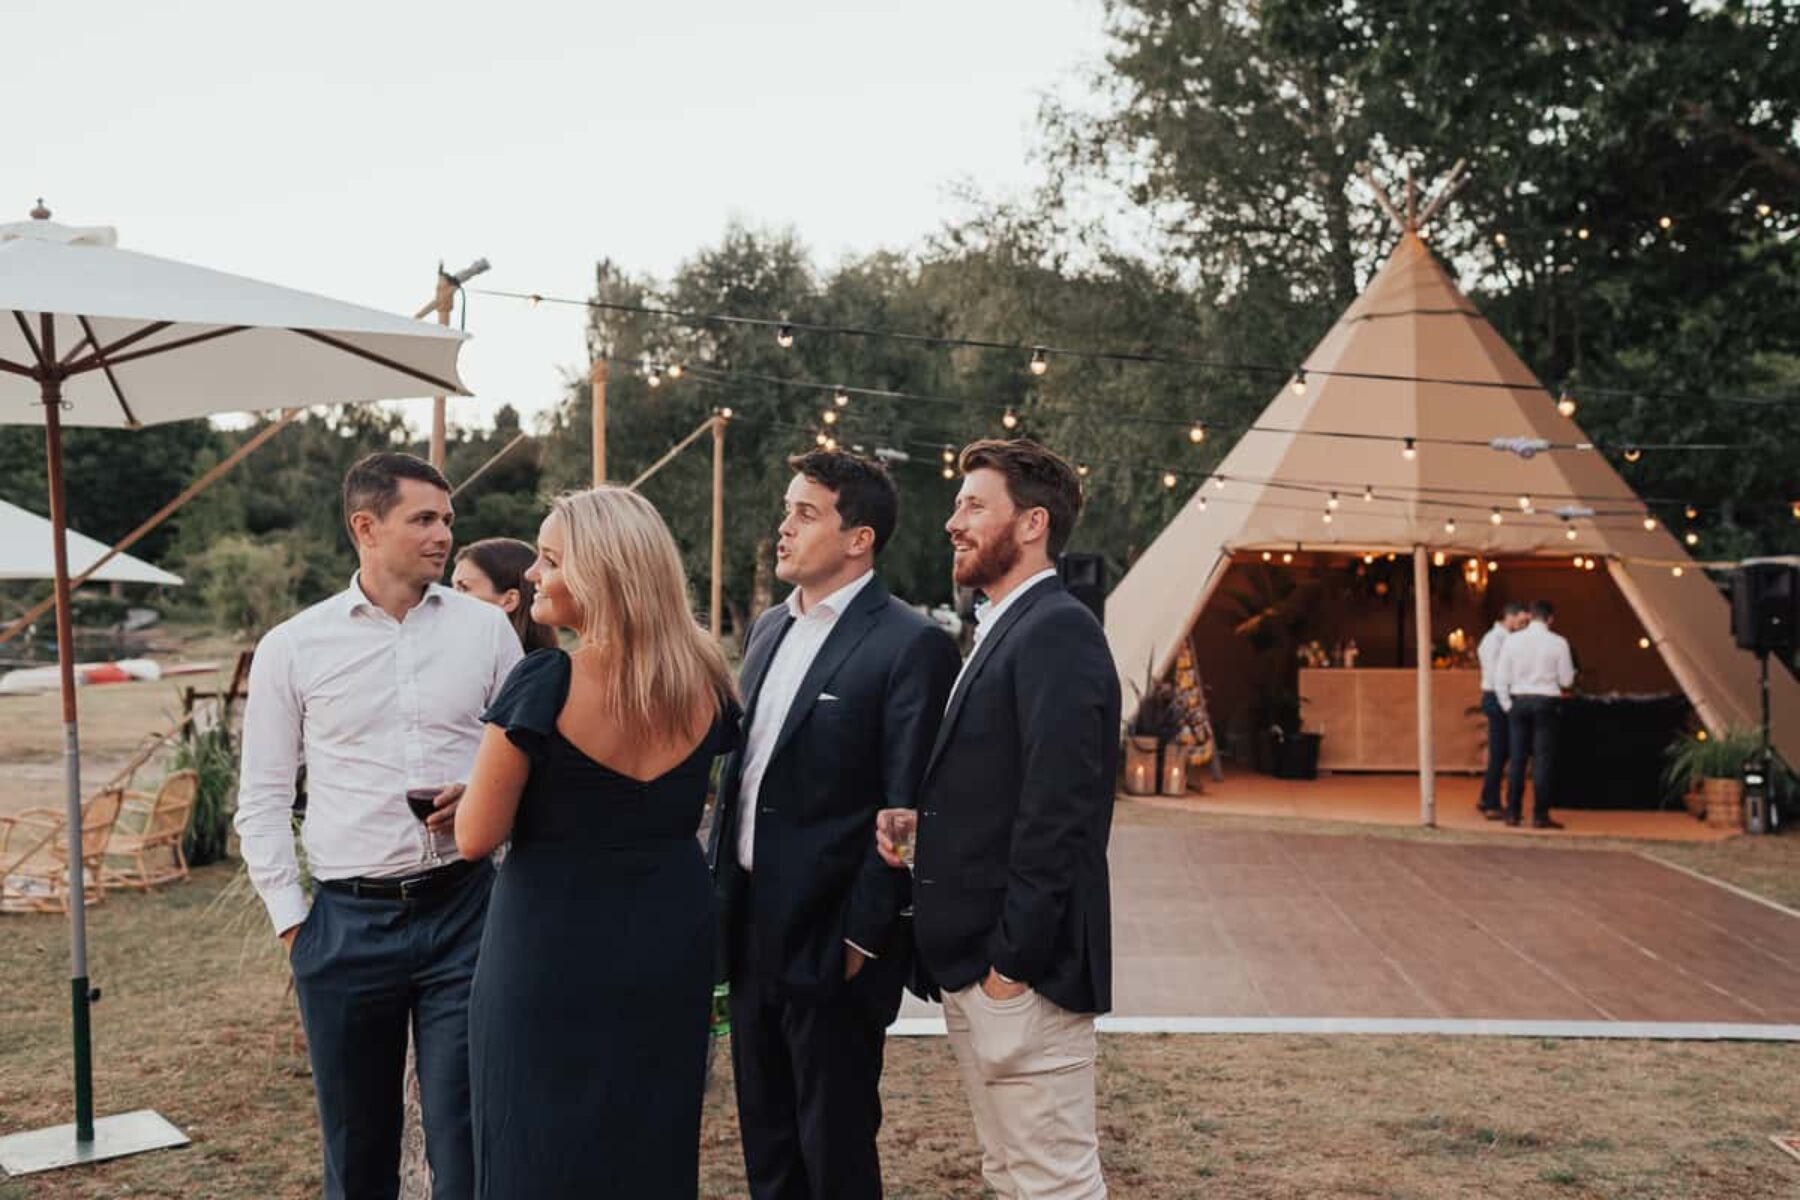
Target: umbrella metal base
<point x="114" y="1137"/>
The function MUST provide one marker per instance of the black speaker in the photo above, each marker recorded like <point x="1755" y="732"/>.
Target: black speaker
<point x="1765" y="605"/>
<point x="1085" y="577"/>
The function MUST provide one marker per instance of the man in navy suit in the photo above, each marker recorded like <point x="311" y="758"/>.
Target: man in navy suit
<point x="1011" y="894"/>
<point x="844" y="687"/>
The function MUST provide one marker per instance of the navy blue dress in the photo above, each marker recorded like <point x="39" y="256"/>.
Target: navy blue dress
<point x="588" y="1019"/>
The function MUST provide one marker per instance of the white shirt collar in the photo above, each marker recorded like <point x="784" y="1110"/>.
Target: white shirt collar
<point x="834" y="604"/>
<point x="987" y="614"/>
<point x="353" y="597"/>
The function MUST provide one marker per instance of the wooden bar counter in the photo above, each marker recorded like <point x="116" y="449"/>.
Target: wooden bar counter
<point x="1370" y="718"/>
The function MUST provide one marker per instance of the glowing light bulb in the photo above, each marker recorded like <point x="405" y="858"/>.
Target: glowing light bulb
<point x="829" y="416"/>
<point x="1693" y="539"/>
<point x="1409" y="449"/>
<point x="1219" y="485"/>
<point x="1565" y="404"/>
<point x="1592" y="563"/>
<point x="1763" y="210"/>
<point x="1582" y="233"/>
<point x="1287" y="556"/>
<point x="1569" y="532"/>
<point x="1040" y="362"/>
<point x="1450" y="525"/>
<point x="840" y="397"/>
<point x="784" y="335"/>
<point x="949" y="472"/>
<point x="1665" y="222"/>
<point x="1368" y="493"/>
<point x="654" y="378"/>
<point x="1580" y="562"/>
<point x="1492" y="566"/>
<point x="1643" y="643"/>
<point x="1010" y="419"/>
<point x="819" y="439"/>
<point x="1690" y="512"/>
<point x="949" y="454"/>
<point x="1267" y="556"/>
<point x="676" y="370"/>
<point x="1632" y="454"/>
<point x="726" y="413"/>
<point x="1524" y="503"/>
<point x="1494" y="517"/>
<point x="1300" y="382"/>
<point x="1200" y="504"/>
<point x="1437" y="558"/>
<point x="1499" y="239"/>
<point x="1649" y="522"/>
<point x="1332" y="502"/>
<point x="1169" y="480"/>
<point x="1082" y="470"/>
<point x="1327" y="516"/>
<point x="1197" y="433"/>
<point x="1677" y="572"/>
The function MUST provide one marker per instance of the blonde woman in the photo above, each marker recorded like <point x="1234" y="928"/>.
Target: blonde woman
<point x="588" y="1020"/>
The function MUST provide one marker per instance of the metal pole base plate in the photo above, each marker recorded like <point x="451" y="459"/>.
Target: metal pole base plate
<point x="114" y="1137"/>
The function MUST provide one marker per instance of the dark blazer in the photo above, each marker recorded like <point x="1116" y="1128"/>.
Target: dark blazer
<point x="1016" y="809"/>
<point x="816" y="877"/>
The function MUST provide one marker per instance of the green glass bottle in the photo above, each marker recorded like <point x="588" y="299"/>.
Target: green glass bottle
<point x="721" y="1010"/>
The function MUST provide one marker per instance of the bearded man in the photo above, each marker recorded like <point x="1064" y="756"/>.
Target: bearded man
<point x="1012" y="907"/>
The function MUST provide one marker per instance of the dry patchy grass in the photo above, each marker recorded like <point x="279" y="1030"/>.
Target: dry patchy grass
<point x="197" y="1023"/>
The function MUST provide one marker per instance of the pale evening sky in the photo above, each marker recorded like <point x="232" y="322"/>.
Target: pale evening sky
<point x="346" y="148"/>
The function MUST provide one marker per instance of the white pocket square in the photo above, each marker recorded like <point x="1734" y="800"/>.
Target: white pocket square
<point x="824" y="696"/>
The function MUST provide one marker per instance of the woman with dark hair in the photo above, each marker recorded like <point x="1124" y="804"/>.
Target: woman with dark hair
<point x="493" y="570"/>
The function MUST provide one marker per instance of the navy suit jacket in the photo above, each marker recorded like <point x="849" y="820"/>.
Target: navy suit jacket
<point x="1015" y="810"/>
<point x="816" y="877"/>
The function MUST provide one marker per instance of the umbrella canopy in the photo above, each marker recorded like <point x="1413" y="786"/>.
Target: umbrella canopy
<point x="144" y="340"/>
<point x="94" y="335"/>
<point x="27" y="551"/>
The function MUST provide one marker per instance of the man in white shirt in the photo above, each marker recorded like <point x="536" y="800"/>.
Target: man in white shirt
<point x="843" y="687"/>
<point x="1513" y="617"/>
<point x="1532" y="672"/>
<point x="378" y="691"/>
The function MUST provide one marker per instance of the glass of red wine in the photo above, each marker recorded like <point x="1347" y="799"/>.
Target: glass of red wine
<point x="423" y="802"/>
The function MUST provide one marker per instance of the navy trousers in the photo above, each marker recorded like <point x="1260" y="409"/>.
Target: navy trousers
<point x="1499" y="725"/>
<point x="1533" y="736"/>
<point x="365" y="969"/>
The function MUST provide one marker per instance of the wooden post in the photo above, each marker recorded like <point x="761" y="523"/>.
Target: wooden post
<point x="718" y="526"/>
<point x="597" y="383"/>
<point x="446" y="299"/>
<point x="1422" y="635"/>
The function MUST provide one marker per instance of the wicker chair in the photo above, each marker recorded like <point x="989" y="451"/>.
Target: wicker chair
<point x="34" y="855"/>
<point x="146" y="848"/>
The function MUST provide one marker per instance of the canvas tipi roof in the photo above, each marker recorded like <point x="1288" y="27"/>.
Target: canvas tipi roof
<point x="1344" y="429"/>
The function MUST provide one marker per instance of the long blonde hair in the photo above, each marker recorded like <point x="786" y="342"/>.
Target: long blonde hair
<point x="625" y="575"/>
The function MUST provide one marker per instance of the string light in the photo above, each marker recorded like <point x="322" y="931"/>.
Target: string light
<point x="1300" y="382"/>
<point x="1332" y="501"/>
<point x="830" y="416"/>
<point x="949" y="472"/>
<point x="1368" y="559"/>
<point x="1582" y="233"/>
<point x="1592" y="563"/>
<point x="1287" y="556"/>
<point x="1795" y="509"/>
<point x="1690" y="512"/>
<point x="1267" y="556"/>
<point x="1632" y="454"/>
<point x="1693" y="539"/>
<point x="1409" y="449"/>
<point x="1169" y="480"/>
<point x="1082" y="470"/>
<point x="1368" y="493"/>
<point x="1327" y="516"/>
<point x="819" y="439"/>
<point x="840" y="397"/>
<point x="1580" y="562"/>
<point x="1677" y="572"/>
<point x="949" y="454"/>
<point x="1010" y="419"/>
<point x="1437" y="558"/>
<point x="1494" y="517"/>
<point x="654" y="377"/>
<point x="676" y="370"/>
<point x="1197" y="432"/>
<point x="1763" y="210"/>
<point x="1565" y="404"/>
<point x="1201" y="503"/>
<point x="1649" y="522"/>
<point x="1643" y="643"/>
<point x="726" y="413"/>
<point x="1219" y="486"/>
<point x="1492" y="566"/>
<point x="1569" y="531"/>
<point x="784" y="335"/>
<point x="1450" y="525"/>
<point x="1040" y="362"/>
<point x="534" y="299"/>
<point x="1665" y="222"/>
<point x="1499" y="239"/>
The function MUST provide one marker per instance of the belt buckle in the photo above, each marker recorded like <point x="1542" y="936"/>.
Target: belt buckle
<point x="411" y="887"/>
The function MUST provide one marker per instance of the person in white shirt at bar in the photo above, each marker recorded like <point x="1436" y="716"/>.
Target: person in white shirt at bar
<point x="378" y="692"/>
<point x="1532" y="672"/>
<point x="1513" y="617"/>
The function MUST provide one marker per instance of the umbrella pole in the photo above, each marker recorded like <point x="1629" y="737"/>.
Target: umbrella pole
<point x="65" y="658"/>
<point x="127" y="1133"/>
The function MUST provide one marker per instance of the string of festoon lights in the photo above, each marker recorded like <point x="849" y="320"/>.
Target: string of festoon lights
<point x="901" y="451"/>
<point x="1572" y="506"/>
<point x="1039" y="356"/>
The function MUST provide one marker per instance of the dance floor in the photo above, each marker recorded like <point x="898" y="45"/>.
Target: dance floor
<point x="1237" y="930"/>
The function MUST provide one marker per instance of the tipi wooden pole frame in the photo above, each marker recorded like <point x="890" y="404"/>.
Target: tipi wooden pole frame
<point x="1422" y="636"/>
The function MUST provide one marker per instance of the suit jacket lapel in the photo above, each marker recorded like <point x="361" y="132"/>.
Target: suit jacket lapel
<point x="979" y="660"/>
<point x="758" y="654"/>
<point x="846" y="633"/>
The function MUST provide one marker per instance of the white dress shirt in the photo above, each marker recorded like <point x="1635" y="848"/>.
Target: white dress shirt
<point x="1489" y="652"/>
<point x="780" y="688"/>
<point x="1533" y="662"/>
<point x="373" y="707"/>
<point x="987" y="617"/>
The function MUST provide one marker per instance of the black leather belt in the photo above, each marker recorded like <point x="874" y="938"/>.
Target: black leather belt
<point x="404" y="887"/>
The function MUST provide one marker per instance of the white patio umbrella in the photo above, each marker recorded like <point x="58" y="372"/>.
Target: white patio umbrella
<point x="97" y="336"/>
<point x="28" y="551"/>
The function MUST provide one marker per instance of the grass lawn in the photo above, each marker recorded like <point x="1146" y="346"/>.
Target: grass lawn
<point x="197" y="1023"/>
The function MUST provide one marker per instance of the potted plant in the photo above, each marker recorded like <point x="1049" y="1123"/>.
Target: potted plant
<point x="1158" y="721"/>
<point x="1714" y="766"/>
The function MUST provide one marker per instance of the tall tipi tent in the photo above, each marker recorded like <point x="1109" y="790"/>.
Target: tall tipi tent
<point x="1427" y="427"/>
